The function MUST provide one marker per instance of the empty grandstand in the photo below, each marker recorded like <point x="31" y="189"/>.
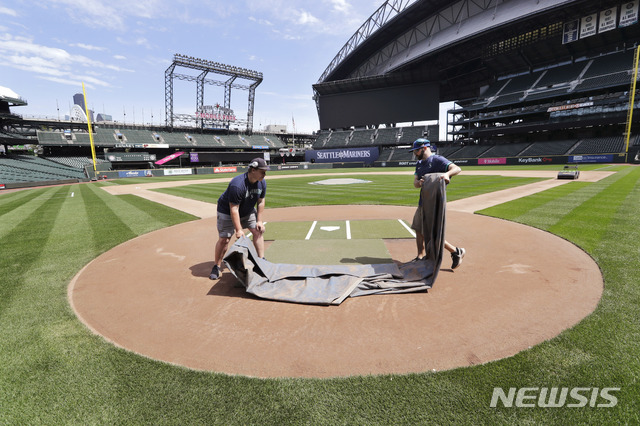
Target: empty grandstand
<point x="526" y="78"/>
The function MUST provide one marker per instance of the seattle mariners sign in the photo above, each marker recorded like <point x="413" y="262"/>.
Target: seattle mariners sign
<point x="347" y="155"/>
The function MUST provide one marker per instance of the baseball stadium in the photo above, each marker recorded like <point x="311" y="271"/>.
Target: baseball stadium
<point x="109" y="314"/>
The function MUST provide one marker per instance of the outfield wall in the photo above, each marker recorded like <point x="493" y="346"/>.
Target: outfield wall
<point x="521" y="161"/>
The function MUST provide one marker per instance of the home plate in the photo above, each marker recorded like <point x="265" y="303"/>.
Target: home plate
<point x="329" y="228"/>
<point x="344" y="181"/>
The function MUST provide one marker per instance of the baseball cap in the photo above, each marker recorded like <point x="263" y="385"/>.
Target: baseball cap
<point x="259" y="163"/>
<point x="420" y="143"/>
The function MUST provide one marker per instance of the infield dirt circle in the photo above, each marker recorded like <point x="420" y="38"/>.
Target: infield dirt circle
<point x="518" y="286"/>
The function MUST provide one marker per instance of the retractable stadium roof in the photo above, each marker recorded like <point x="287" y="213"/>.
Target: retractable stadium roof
<point x="465" y="44"/>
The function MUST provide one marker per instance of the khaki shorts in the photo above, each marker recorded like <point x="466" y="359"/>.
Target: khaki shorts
<point x="225" y="224"/>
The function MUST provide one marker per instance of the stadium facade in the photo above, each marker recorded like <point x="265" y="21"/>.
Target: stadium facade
<point x="529" y="77"/>
<point x="529" y="81"/>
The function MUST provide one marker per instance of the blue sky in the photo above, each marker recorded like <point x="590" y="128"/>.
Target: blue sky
<point x="120" y="50"/>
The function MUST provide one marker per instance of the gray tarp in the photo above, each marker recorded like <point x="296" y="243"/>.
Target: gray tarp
<point x="331" y="284"/>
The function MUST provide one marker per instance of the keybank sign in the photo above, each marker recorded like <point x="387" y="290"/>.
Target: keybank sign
<point x="554" y="397"/>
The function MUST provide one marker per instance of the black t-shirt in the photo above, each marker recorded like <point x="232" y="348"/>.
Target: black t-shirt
<point x="242" y="193"/>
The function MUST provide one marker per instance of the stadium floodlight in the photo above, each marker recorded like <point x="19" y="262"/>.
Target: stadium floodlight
<point x="205" y="67"/>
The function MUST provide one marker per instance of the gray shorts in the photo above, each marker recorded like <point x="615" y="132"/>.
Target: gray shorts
<point x="416" y="225"/>
<point x="225" y="224"/>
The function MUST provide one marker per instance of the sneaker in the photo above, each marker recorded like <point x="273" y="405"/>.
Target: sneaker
<point x="456" y="257"/>
<point x="215" y="273"/>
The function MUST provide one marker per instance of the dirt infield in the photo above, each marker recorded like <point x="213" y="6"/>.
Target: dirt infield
<point x="517" y="287"/>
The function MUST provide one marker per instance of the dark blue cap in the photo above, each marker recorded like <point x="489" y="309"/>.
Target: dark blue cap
<point x="420" y="143"/>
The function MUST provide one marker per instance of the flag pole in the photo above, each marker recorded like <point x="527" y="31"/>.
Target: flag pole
<point x="294" y="130"/>
<point x="632" y="97"/>
<point x="93" y="149"/>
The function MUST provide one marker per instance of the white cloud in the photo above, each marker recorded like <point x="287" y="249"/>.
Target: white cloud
<point x="140" y="41"/>
<point x="119" y="57"/>
<point x="66" y="81"/>
<point x="306" y="18"/>
<point x="261" y="21"/>
<point x="89" y="82"/>
<point x="340" y="6"/>
<point x="88" y="47"/>
<point x="7" y="11"/>
<point x="52" y="63"/>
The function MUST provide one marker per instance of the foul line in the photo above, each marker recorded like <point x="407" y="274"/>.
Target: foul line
<point x="313" y="226"/>
<point x="411" y="231"/>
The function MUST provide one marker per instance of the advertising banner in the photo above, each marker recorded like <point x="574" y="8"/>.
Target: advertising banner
<point x="395" y="164"/>
<point x="2" y="186"/>
<point x="291" y="166"/>
<point x="570" y="106"/>
<point x="174" y="172"/>
<point x="570" y="31"/>
<point x="466" y="162"/>
<point x="346" y="155"/>
<point x="606" y="158"/>
<point x="608" y="19"/>
<point x="491" y="161"/>
<point x="588" y="25"/>
<point x="538" y="160"/>
<point x="628" y="13"/>
<point x="233" y="169"/>
<point x="151" y="145"/>
<point x="169" y="157"/>
<point x="193" y="157"/>
<point x="134" y="173"/>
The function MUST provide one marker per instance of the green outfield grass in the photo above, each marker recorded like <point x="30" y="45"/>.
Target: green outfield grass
<point x="383" y="189"/>
<point x="53" y="370"/>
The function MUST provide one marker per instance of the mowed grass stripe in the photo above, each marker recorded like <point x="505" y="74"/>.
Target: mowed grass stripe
<point x="137" y="216"/>
<point x="103" y="218"/>
<point x="42" y="291"/>
<point x="12" y="200"/>
<point x="23" y="245"/>
<point x="58" y="348"/>
<point x="600" y="209"/>
<point x="161" y="215"/>
<point x="548" y="214"/>
<point x="19" y="209"/>
<point x="462" y="186"/>
<point x="513" y="211"/>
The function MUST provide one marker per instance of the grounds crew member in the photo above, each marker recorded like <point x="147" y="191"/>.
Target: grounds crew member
<point x="428" y="162"/>
<point x="241" y="206"/>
